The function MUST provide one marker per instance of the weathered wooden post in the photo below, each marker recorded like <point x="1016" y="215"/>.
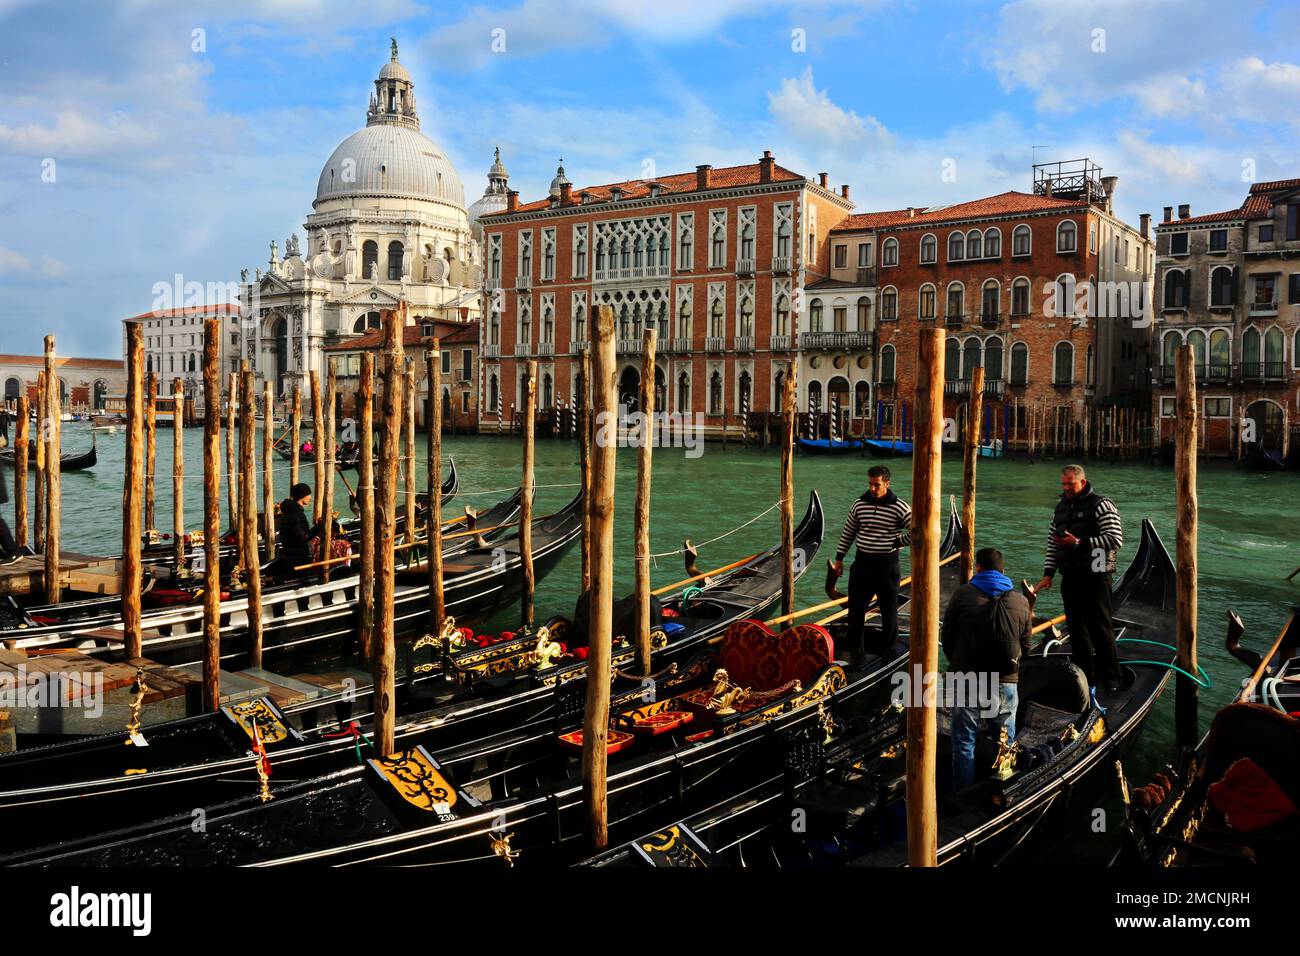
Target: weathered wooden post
<point x="326" y="453"/>
<point x="268" y="470"/>
<point x="433" y="427"/>
<point x="42" y="426"/>
<point x="788" y="399"/>
<point x="295" y="428"/>
<point x="318" y="446"/>
<point x="366" y="504"/>
<point x="132" y="490"/>
<point x="641" y="520"/>
<point x="178" y="477"/>
<point x="385" y="657"/>
<point x="526" y="502"/>
<point x="1186" y="437"/>
<point x="248" y="515"/>
<point x="595" y="726"/>
<point x="584" y="459"/>
<point x="22" y="438"/>
<point x="923" y="653"/>
<point x="150" y="451"/>
<point x="974" y="411"/>
<point x="408" y="468"/>
<point x="212" y="513"/>
<point x="53" y="476"/>
<point x="232" y="478"/>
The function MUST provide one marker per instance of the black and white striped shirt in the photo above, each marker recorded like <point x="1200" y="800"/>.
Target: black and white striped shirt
<point x="1096" y="524"/>
<point x="876" y="526"/>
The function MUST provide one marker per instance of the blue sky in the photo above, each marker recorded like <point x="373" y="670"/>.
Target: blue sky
<point x="168" y="160"/>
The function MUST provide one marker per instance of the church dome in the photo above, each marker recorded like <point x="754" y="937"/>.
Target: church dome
<point x="494" y="197"/>
<point x="390" y="160"/>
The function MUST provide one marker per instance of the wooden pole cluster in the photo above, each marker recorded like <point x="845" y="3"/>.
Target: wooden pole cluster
<point x="248" y="514"/>
<point x="788" y="400"/>
<point x="974" y="413"/>
<point x="178" y="477"/>
<point x="268" y="469"/>
<point x="433" y="428"/>
<point x="385" y="659"/>
<point x="295" y="427"/>
<point x="53" y="476"/>
<point x="151" y="451"/>
<point x="366" y="503"/>
<point x="595" y="728"/>
<point x="1186" y="693"/>
<point x="326" y="455"/>
<point x="132" y="491"/>
<point x="212" y="513"/>
<point x="232" y="487"/>
<point x="408" y="461"/>
<point x="923" y="651"/>
<point x="641" y="527"/>
<point x="318" y="445"/>
<point x="42" y="424"/>
<point x="22" y="437"/>
<point x="584" y="460"/>
<point x="528" y="483"/>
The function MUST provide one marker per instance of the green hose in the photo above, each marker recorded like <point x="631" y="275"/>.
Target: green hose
<point x="1202" y="681"/>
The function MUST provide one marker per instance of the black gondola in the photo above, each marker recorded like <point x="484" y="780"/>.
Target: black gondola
<point x="80" y="462"/>
<point x="850" y="792"/>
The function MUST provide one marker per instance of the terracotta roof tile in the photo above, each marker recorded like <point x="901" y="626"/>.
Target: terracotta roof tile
<point x="111" y="365"/>
<point x="220" y="308"/>
<point x="1257" y="205"/>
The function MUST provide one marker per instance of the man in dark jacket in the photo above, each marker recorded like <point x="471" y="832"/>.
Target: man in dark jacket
<point x="9" y="552"/>
<point x="1083" y="542"/>
<point x="295" y="531"/>
<point x="986" y="630"/>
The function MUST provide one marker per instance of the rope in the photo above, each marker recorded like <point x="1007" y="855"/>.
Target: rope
<point x="703" y="544"/>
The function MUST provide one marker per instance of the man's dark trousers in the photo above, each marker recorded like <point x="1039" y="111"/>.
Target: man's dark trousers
<point x="1087" y="601"/>
<point x="873" y="576"/>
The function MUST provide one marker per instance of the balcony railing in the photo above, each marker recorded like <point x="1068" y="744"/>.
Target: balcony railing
<point x="867" y="276"/>
<point x="577" y="345"/>
<point x="993" y="388"/>
<point x="744" y="343"/>
<point x="990" y="320"/>
<point x="545" y="348"/>
<point x="838" y="340"/>
<point x="780" y="264"/>
<point x="1211" y="372"/>
<point x="1264" y="308"/>
<point x="954" y="321"/>
<point x="1263" y="372"/>
<point x="492" y="283"/>
<point x="492" y="350"/>
<point x="629" y="346"/>
<point x="523" y="283"/>
<point x="744" y="267"/>
<point x="523" y="349"/>
<point x="715" y="343"/>
<point x="781" y="343"/>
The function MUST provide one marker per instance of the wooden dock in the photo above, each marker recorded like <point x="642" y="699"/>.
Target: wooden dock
<point x="79" y="572"/>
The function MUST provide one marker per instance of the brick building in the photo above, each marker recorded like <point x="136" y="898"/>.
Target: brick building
<point x="714" y="258"/>
<point x="1042" y="289"/>
<point x="1229" y="284"/>
<point x="84" y="384"/>
<point x="173" y="346"/>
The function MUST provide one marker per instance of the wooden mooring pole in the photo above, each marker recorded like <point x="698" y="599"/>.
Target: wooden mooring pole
<point x="923" y="652"/>
<point x="433" y="483"/>
<point x="232" y="480"/>
<point x="788" y="399"/>
<point x="178" y="478"/>
<point x="641" y="521"/>
<point x="150" y="451"/>
<point x="318" y="446"/>
<point x="1186" y="691"/>
<point x="385" y="656"/>
<point x="133" y="490"/>
<point x="53" y="476"/>
<point x="974" y="411"/>
<point x="268" y="469"/>
<point x="212" y="513"/>
<point x="248" y="553"/>
<point x="295" y="430"/>
<point x="529" y="485"/>
<point x="326" y="457"/>
<point x="584" y="459"/>
<point x="22" y="437"/>
<point x="42" y="424"/>
<point x="366" y="504"/>
<point x="408" y="462"/>
<point x="595" y="726"/>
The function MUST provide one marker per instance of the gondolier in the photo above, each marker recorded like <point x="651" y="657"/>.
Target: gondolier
<point x="1085" y="537"/>
<point x="879" y="524"/>
<point x="295" y="533"/>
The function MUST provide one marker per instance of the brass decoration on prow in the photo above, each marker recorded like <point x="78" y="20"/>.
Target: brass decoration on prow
<point x="258" y="720"/>
<point x="137" y="705"/>
<point x="726" y="695"/>
<point x="825" y="720"/>
<point x="501" y="847"/>
<point x="1123" y="784"/>
<point x="419" y="782"/>
<point x="547" y="651"/>
<point x="263" y="764"/>
<point x="449" y="638"/>
<point x="1005" y="761"/>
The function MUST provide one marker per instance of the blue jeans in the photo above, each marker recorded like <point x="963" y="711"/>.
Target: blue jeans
<point x="967" y="722"/>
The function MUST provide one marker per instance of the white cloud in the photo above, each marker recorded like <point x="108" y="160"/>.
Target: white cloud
<point x="53" y="268"/>
<point x="13" y="262"/>
<point x="808" y="113"/>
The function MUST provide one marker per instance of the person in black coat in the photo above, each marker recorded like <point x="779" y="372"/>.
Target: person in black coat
<point x="295" y="532"/>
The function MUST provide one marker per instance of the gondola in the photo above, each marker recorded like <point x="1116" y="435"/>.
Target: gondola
<point x="660" y="761"/>
<point x="850" y="791"/>
<point x="1231" y="800"/>
<point x="343" y="461"/>
<point x="826" y="446"/>
<point x="886" y="448"/>
<point x="473" y="694"/>
<point x="79" y="462"/>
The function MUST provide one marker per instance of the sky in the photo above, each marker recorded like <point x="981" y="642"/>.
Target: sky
<point x="146" y="142"/>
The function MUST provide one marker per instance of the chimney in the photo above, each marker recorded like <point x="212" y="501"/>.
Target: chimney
<point x="703" y="176"/>
<point x="1144" y="226"/>
<point x="844" y="191"/>
<point x="911" y="213"/>
<point x="1169" y="213"/>
<point x="823" y="179"/>
<point x="1108" y="183"/>
<point x="512" y="200"/>
<point x="1185" y="210"/>
<point x="765" y="166"/>
<point x="566" y="194"/>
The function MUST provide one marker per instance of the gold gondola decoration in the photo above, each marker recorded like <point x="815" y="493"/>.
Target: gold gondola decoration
<point x="133" y="735"/>
<point x="501" y="847"/>
<point x="825" y="720"/>
<point x="1005" y="761"/>
<point x="449" y="638"/>
<point x="263" y="765"/>
<point x="547" y="651"/>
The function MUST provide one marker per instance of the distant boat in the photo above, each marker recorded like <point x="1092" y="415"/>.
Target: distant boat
<point x="888" y="449"/>
<point x="824" y="446"/>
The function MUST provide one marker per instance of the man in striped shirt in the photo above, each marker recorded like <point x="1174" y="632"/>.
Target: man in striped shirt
<point x="1085" y="538"/>
<point x="879" y="524"/>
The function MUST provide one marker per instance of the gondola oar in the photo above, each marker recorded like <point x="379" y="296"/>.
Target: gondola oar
<point x="839" y="601"/>
<point x="1293" y="574"/>
<point x="726" y="567"/>
<point x="352" y="492"/>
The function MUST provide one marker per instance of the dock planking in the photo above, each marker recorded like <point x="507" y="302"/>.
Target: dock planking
<point x="27" y="575"/>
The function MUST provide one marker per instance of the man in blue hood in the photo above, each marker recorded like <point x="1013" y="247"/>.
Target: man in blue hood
<point x="986" y="630"/>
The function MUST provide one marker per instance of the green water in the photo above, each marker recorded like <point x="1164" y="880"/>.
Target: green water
<point x="1247" y="521"/>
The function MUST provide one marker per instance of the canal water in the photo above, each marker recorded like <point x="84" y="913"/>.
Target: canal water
<point x="1248" y="542"/>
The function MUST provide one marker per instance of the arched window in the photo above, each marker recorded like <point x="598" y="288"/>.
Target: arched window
<point x="494" y="394"/>
<point x="951" y="359"/>
<point x="956" y="246"/>
<point x="369" y="259"/>
<point x="684" y="320"/>
<point x="394" y="260"/>
<point x="282" y="348"/>
<point x="683" y="392"/>
<point x="746" y="318"/>
<point x="548" y="324"/>
<point x="861" y="400"/>
<point x="13" y="390"/>
<point x="991" y="300"/>
<point x="889" y="252"/>
<point x="782" y="315"/>
<point x="889" y="304"/>
<point x="1021" y="241"/>
<point x="783" y="239"/>
<point x="956" y="302"/>
<point x="718" y="252"/>
<point x="974" y="244"/>
<point x="663" y="251"/>
<point x="993" y="359"/>
<point x="864" y="314"/>
<point x="992" y="243"/>
<point x="1169" y="346"/>
<point x="1220" y="354"/>
<point x="929" y="249"/>
<point x="600" y="255"/>
<point x="715" y="393"/>
<point x="100" y="393"/>
<point x="1019" y="364"/>
<point x="1063" y="300"/>
<point x="1063" y="364"/>
<point x="925" y="302"/>
<point x="1176" y="289"/>
<point x="1199" y="343"/>
<point x="1274" y="349"/>
<point x="1020" y="298"/>
<point x="636" y="253"/>
<point x="747" y="241"/>
<point x="746" y="389"/>
<point x="717" y="324"/>
<point x="580" y="256"/>
<point x="663" y="321"/>
<point x="548" y="391"/>
<point x="814" y="397"/>
<point x="626" y="255"/>
<point x="887" y="365"/>
<point x="972" y="356"/>
<point x="1222" y="288"/>
<point x="815" y="315"/>
<point x="1067" y="236"/>
<point x="580" y="322"/>
<point x="1090" y="366"/>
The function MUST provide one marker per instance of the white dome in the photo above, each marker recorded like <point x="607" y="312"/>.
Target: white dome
<point x="390" y="160"/>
